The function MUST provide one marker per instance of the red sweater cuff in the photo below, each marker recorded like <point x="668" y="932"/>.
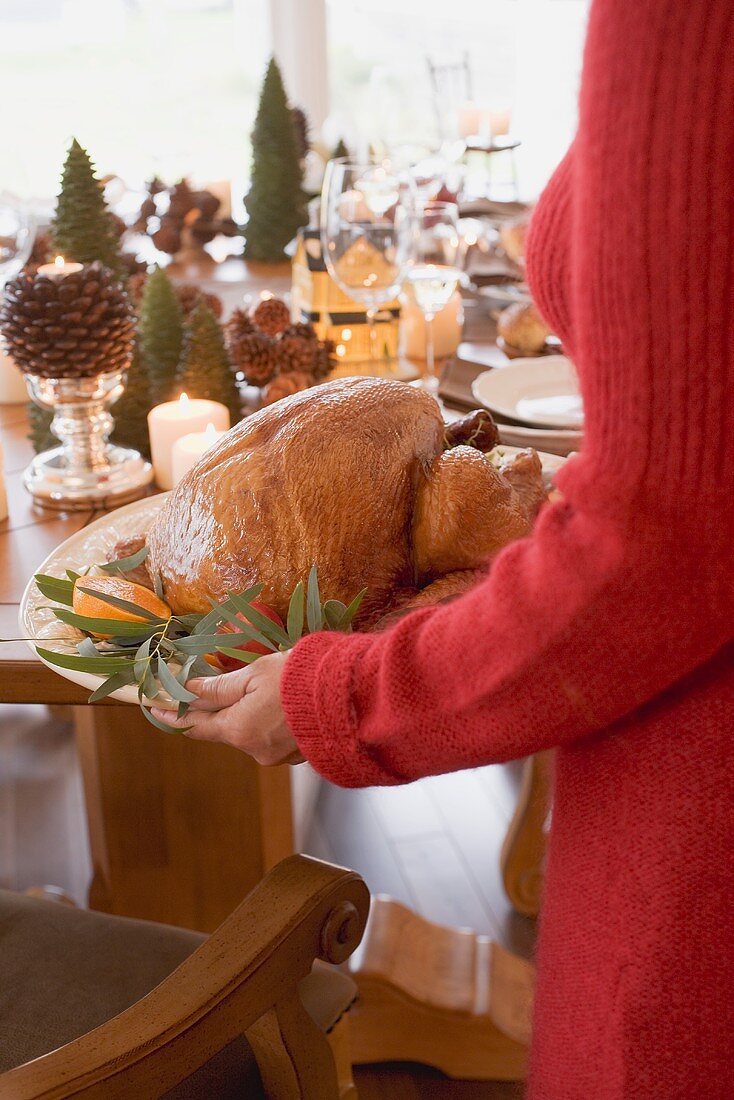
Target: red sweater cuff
<point x="316" y="693"/>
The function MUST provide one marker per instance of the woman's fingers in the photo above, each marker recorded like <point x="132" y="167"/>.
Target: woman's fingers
<point x="215" y="692"/>
<point x="206" y="725"/>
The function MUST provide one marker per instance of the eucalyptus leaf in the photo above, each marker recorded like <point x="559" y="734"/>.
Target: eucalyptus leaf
<point x="201" y="668"/>
<point x="163" y="725"/>
<point x="249" y="631"/>
<point x="87" y="648"/>
<point x="151" y="687"/>
<point x="170" y="684"/>
<point x="73" y="575"/>
<point x="120" y="628"/>
<point x="55" y="588"/>
<point x="185" y="671"/>
<point x="353" y="608"/>
<point x="296" y="609"/>
<point x="334" y="613"/>
<point x="244" y="655"/>
<point x="214" y="617"/>
<point x="272" y="630"/>
<point x="96" y="665"/>
<point x="181" y="710"/>
<point x="126" y="564"/>
<point x="122" y="605"/>
<point x="313" y="602"/>
<point x="158" y="585"/>
<point x="113" y="683"/>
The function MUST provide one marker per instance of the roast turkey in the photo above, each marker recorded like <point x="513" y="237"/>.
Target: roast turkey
<point x="356" y="475"/>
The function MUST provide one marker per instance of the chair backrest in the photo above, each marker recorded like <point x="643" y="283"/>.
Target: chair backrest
<point x="451" y="85"/>
<point x="243" y="979"/>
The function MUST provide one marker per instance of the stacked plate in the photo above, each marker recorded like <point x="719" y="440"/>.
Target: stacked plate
<point x="536" y="403"/>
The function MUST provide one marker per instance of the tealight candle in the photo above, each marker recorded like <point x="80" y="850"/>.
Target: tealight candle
<point x="12" y="384"/>
<point x="190" y="448"/>
<point x="447" y="328"/>
<point x="3" y="491"/>
<point x="59" y="269"/>
<point x="174" y="419"/>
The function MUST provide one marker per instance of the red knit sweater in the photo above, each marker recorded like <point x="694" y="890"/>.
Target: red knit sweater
<point x="609" y="632"/>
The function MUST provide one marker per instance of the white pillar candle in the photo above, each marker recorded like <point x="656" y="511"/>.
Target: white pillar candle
<point x="12" y="383"/>
<point x="3" y="491"/>
<point x="499" y="123"/>
<point x="189" y="449"/>
<point x="472" y="119"/>
<point x="59" y="269"/>
<point x="174" y="419"/>
<point x="447" y="328"/>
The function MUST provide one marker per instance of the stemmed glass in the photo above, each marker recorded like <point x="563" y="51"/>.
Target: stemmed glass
<point x="17" y="232"/>
<point x="367" y="232"/>
<point x="435" y="273"/>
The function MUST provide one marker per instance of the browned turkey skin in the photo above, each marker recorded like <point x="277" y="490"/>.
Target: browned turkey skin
<point x="353" y="476"/>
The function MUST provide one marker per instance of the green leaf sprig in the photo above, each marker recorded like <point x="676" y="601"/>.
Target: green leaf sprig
<point x="159" y="654"/>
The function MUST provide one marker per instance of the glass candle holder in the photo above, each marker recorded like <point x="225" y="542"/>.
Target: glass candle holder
<point x="85" y="470"/>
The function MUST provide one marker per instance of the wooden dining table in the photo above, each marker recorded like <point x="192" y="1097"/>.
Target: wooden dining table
<point x="181" y="830"/>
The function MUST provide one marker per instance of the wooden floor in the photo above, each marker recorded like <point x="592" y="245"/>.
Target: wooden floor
<point x="433" y="845"/>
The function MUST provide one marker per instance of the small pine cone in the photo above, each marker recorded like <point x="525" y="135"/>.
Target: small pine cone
<point x="286" y="384"/>
<point x="250" y="351"/>
<point x="79" y="326"/>
<point x="167" y="238"/>
<point x="324" y="360"/>
<point x="189" y="295"/>
<point x="272" y="316"/>
<point x="135" y="286"/>
<point x="297" y="348"/>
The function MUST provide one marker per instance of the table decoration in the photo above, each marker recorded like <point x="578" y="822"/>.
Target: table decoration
<point x="174" y="419"/>
<point x="281" y="358"/>
<point x="72" y="336"/>
<point x="84" y="229"/>
<point x="181" y="219"/>
<point x="205" y="370"/>
<point x="189" y="449"/>
<point x="447" y="328"/>
<point x="319" y="300"/>
<point x="276" y="201"/>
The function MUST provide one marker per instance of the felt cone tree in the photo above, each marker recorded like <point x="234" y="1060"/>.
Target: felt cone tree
<point x="276" y="202"/>
<point x="205" y="367"/>
<point x="152" y="377"/>
<point x="83" y="229"/>
<point x="39" y="428"/>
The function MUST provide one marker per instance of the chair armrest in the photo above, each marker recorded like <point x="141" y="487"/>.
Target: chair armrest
<point x="248" y="969"/>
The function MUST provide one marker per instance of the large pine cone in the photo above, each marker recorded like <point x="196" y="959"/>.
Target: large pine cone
<point x="297" y="348"/>
<point x="272" y="316"/>
<point x="189" y="295"/>
<point x="285" y="385"/>
<point x="80" y="325"/>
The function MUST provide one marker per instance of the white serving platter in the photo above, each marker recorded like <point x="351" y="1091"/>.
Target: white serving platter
<point x="91" y="546"/>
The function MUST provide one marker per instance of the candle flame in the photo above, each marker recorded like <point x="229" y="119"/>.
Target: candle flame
<point x="265" y="295"/>
<point x="183" y="400"/>
<point x="59" y="262"/>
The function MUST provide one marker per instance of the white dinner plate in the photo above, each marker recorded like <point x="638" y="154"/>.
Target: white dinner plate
<point x="541" y="392"/>
<point x="91" y="546"/>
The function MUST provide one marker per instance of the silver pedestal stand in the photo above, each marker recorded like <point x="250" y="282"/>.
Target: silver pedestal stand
<point x="85" y="471"/>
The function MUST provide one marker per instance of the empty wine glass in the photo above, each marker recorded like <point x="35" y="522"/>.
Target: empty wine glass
<point x="435" y="273"/>
<point x="17" y="232"/>
<point x="367" y="231"/>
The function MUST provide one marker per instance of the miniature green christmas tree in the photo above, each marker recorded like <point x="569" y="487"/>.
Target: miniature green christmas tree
<point x="205" y="367"/>
<point x="39" y="428"/>
<point x="83" y="228"/>
<point x="152" y="377"/>
<point x="276" y="203"/>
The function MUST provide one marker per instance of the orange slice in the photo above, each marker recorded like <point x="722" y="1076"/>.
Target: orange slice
<point x="92" y="608"/>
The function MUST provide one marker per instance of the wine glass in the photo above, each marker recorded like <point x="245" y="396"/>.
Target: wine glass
<point x="17" y="232"/>
<point x="367" y="232"/>
<point x="435" y="273"/>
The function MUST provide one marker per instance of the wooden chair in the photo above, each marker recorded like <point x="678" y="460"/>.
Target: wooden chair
<point x="105" y="1007"/>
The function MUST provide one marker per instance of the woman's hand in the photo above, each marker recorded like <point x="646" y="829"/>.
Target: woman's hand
<point x="243" y="709"/>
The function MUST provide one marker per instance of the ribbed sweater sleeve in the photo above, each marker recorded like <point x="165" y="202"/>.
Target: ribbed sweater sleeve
<point x="626" y="585"/>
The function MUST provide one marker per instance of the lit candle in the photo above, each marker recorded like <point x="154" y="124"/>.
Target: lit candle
<point x="12" y="384"/>
<point x="190" y="448"/>
<point x="447" y="328"/>
<point x="471" y="119"/>
<point x="59" y="269"/>
<point x="174" y="419"/>
<point x="499" y="123"/>
<point x="3" y="491"/>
